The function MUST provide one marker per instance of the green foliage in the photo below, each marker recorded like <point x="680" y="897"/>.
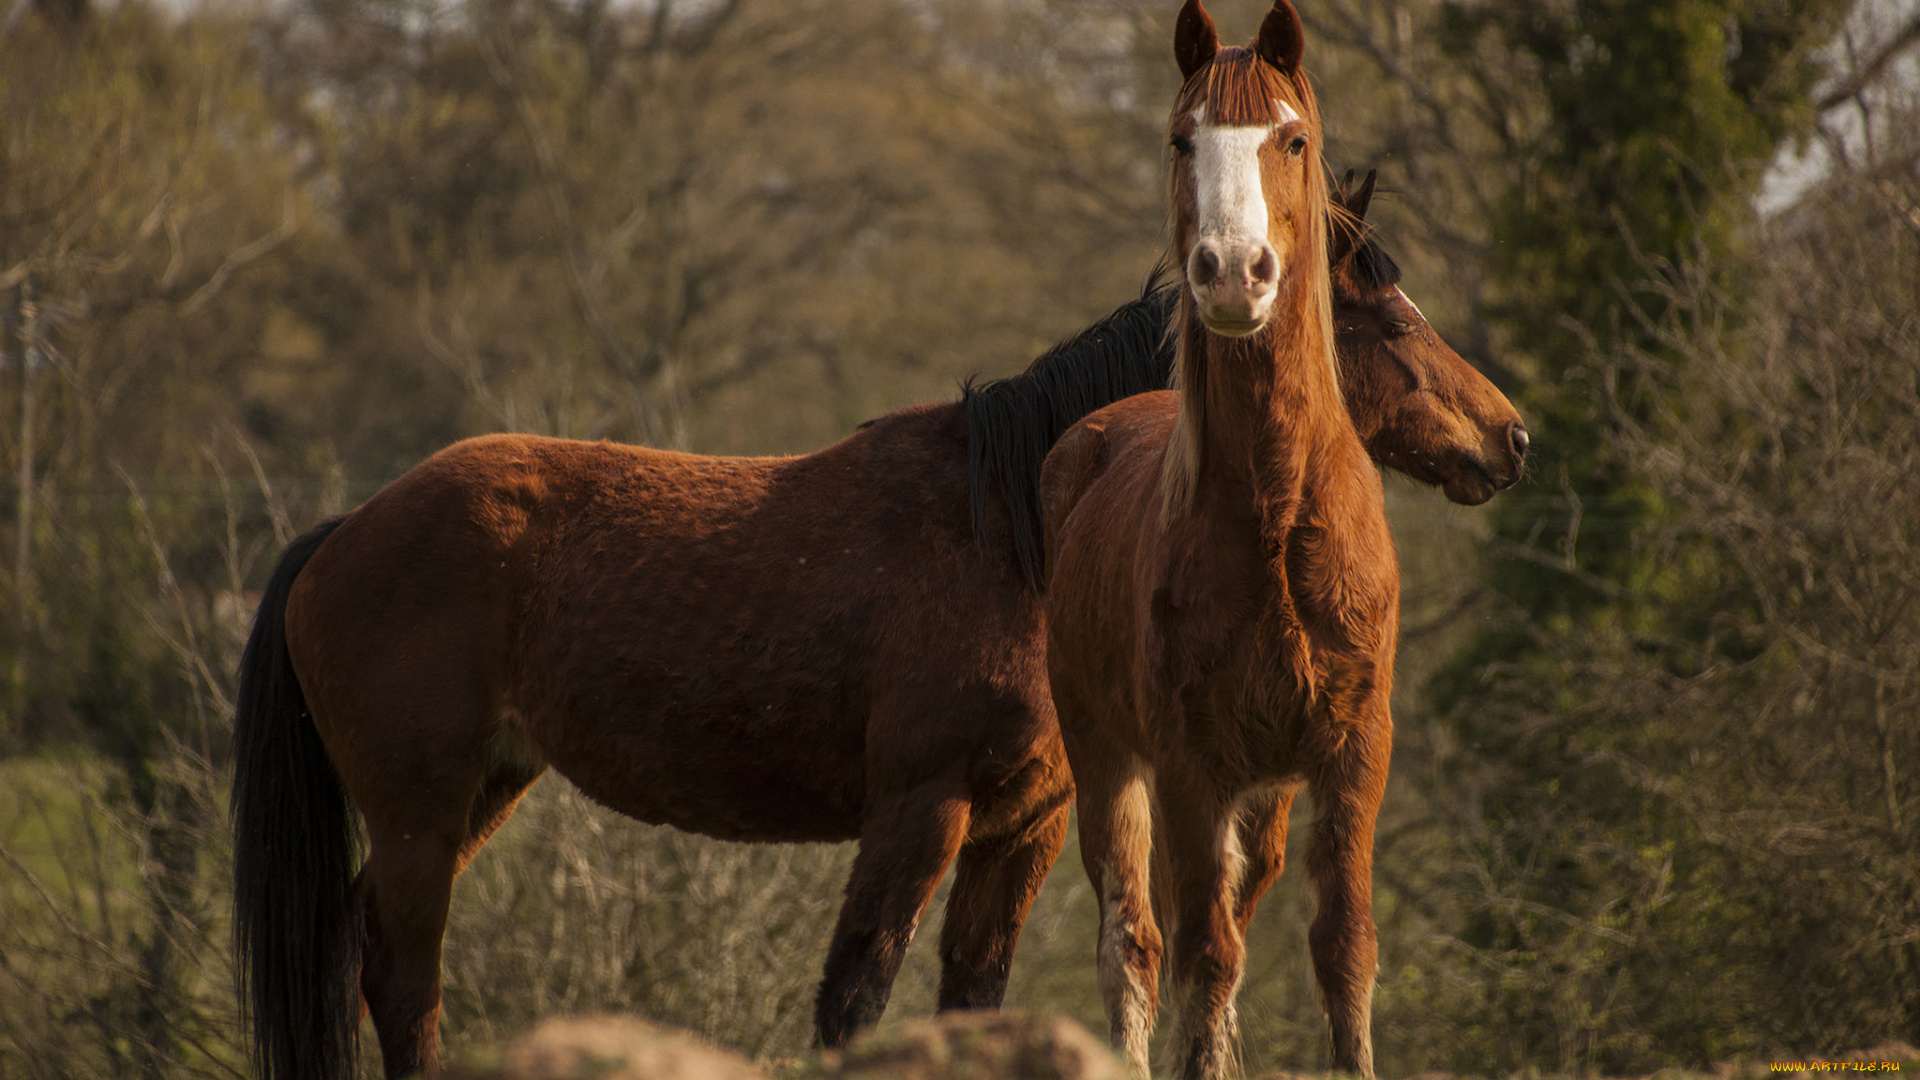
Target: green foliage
<point x="1614" y="768"/>
<point x="1637" y="134"/>
<point x="1674" y="845"/>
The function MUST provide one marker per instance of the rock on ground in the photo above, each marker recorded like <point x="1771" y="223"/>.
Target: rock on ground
<point x="958" y="1046"/>
<point x="608" y="1048"/>
<point x="974" y="1046"/>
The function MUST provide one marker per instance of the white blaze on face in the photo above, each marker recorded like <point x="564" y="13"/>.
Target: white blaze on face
<point x="1226" y="170"/>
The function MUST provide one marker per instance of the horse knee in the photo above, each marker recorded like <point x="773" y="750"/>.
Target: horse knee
<point x="1212" y="966"/>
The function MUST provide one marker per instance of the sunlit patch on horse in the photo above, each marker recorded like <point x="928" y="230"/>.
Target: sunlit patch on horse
<point x="1410" y="303"/>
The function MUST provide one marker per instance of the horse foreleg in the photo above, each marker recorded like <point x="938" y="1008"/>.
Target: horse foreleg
<point x="1204" y="861"/>
<point x="1347" y="794"/>
<point x="906" y="845"/>
<point x="993" y="888"/>
<point x="1116" y="840"/>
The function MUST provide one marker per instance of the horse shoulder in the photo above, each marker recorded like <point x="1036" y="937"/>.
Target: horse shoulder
<point x="1342" y="569"/>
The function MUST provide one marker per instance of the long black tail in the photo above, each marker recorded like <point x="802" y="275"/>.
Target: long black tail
<point x="295" y="849"/>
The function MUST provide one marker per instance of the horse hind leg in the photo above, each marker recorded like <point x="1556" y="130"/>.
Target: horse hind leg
<point x="399" y="919"/>
<point x="1209" y="952"/>
<point x="429" y="805"/>
<point x="1263" y="823"/>
<point x="1116" y="844"/>
<point x="405" y="890"/>
<point x="1254" y="856"/>
<point x="993" y="889"/>
<point x="905" y="847"/>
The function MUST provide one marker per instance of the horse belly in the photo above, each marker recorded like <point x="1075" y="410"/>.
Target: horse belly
<point x="766" y="778"/>
<point x="737" y="735"/>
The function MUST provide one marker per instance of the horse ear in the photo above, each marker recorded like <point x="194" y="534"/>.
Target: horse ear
<point x="1345" y="185"/>
<point x="1357" y="202"/>
<point x="1194" y="38"/>
<point x="1281" y="42"/>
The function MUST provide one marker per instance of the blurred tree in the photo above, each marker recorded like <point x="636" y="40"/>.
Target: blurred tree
<point x="741" y="226"/>
<point x="1637" y="135"/>
<point x="143" y="187"/>
<point x="63" y="17"/>
<point x="1607" y="922"/>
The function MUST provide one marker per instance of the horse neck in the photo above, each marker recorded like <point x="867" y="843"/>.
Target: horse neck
<point x="1363" y="388"/>
<point x="1267" y="422"/>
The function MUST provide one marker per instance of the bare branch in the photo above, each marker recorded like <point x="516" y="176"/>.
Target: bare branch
<point x="1863" y="75"/>
<point x="290" y="223"/>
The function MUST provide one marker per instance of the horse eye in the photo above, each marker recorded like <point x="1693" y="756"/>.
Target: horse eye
<point x="1297" y="146"/>
<point x="1182" y="146"/>
<point x="1402" y="327"/>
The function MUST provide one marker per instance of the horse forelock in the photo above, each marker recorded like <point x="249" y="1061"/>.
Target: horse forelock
<point x="1239" y="89"/>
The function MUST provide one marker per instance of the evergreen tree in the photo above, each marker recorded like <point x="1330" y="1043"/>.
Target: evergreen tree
<point x="1641" y="144"/>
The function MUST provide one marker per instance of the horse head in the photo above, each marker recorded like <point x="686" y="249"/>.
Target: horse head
<point x="1420" y="407"/>
<point x="1246" y="186"/>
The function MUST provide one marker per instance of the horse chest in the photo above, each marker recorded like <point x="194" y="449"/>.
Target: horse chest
<point x="1222" y="618"/>
<point x="1269" y="595"/>
<point x="1249" y="644"/>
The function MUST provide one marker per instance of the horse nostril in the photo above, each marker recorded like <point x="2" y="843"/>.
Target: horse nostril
<point x="1206" y="265"/>
<point x="1520" y="440"/>
<point x="1266" y="269"/>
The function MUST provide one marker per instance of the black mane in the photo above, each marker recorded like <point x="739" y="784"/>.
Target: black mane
<point x="1013" y="422"/>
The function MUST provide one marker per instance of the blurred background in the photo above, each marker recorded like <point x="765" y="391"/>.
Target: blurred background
<point x="1656" y="792"/>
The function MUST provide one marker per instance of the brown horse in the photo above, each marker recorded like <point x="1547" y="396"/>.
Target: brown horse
<point x="1223" y="593"/>
<point x="770" y="649"/>
<point x="1420" y="408"/>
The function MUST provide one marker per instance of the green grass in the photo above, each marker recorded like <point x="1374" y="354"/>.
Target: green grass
<point x="79" y="935"/>
<point x="62" y="852"/>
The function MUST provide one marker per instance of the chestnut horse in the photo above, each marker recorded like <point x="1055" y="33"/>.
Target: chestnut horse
<point x="770" y="649"/>
<point x="1223" y="592"/>
<point x="1408" y="392"/>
